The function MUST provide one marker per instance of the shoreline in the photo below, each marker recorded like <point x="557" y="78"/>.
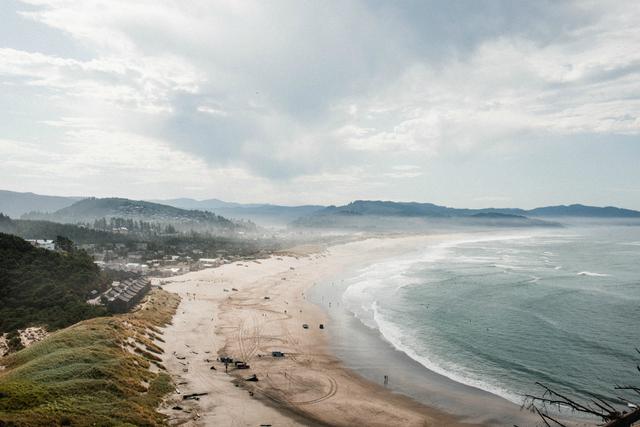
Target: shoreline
<point x="365" y="350"/>
<point x="310" y="385"/>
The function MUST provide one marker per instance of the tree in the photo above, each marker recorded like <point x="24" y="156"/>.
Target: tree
<point x="14" y="342"/>
<point x="608" y="410"/>
<point x="64" y="243"/>
<point x="44" y="288"/>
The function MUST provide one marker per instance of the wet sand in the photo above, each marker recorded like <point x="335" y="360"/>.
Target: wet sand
<point x="266" y="312"/>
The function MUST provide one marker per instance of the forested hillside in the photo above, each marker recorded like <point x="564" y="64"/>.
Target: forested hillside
<point x="41" y="287"/>
<point x="37" y="229"/>
<point x="91" y="209"/>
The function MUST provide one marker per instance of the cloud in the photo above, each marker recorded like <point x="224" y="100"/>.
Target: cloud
<point x="294" y="93"/>
<point x="142" y="84"/>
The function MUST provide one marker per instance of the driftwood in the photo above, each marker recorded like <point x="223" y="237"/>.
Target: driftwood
<point x="193" y="396"/>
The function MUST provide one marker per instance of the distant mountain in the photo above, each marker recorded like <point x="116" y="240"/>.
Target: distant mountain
<point x="382" y="208"/>
<point x="497" y="215"/>
<point x="15" y="204"/>
<point x="90" y="209"/>
<point x="583" y="211"/>
<point x="205" y="205"/>
<point x="355" y="213"/>
<point x="385" y="215"/>
<point x="263" y="214"/>
<point x="414" y="209"/>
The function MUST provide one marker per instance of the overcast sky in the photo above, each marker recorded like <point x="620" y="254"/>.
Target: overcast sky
<point x="464" y="103"/>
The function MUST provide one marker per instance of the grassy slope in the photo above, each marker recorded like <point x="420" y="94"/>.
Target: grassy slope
<point x="83" y="375"/>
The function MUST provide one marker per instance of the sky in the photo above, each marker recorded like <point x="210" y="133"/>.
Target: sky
<point x="472" y="103"/>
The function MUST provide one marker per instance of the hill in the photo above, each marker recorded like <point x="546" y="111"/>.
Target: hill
<point x="15" y="204"/>
<point x="582" y="211"/>
<point x="262" y="214"/>
<point x="96" y="372"/>
<point x="383" y="208"/>
<point x="205" y="205"/>
<point x="37" y="229"/>
<point x="91" y="209"/>
<point x="41" y="287"/>
<point x="497" y="215"/>
<point x="430" y="210"/>
<point x="412" y="215"/>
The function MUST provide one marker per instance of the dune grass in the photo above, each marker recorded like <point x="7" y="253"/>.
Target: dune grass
<point x="90" y="374"/>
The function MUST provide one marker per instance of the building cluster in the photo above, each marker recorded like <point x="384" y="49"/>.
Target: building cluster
<point x="43" y="243"/>
<point x="209" y="262"/>
<point x="122" y="296"/>
<point x="155" y="263"/>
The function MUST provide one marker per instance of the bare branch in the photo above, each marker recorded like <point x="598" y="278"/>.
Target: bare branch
<point x="595" y="406"/>
<point x="566" y="401"/>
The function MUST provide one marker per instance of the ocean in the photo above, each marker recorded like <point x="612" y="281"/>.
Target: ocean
<point x="495" y="313"/>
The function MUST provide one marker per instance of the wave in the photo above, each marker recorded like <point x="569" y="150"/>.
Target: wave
<point x="506" y="266"/>
<point x="591" y="274"/>
<point x="395" y="336"/>
<point x="449" y="348"/>
<point x="382" y="281"/>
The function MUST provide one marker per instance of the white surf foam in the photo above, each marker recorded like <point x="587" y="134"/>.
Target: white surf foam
<point x="591" y="274"/>
<point x="379" y="281"/>
<point x="401" y="340"/>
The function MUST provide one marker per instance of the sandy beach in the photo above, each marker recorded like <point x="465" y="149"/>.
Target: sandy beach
<point x="245" y="311"/>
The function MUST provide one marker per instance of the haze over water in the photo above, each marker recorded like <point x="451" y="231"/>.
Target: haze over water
<point x="500" y="312"/>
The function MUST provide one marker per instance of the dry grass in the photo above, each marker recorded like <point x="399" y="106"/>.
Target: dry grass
<point x="87" y="374"/>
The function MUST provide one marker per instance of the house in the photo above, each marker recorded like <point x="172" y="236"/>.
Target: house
<point x="208" y="262"/>
<point x="134" y="266"/>
<point x="43" y="243"/>
<point x="124" y="295"/>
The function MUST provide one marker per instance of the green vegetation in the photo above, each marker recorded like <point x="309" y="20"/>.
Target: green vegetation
<point x="14" y="342"/>
<point x="50" y="230"/>
<point x="90" y="374"/>
<point x="41" y="287"/>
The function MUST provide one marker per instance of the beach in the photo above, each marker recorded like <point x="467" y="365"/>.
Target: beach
<point x="249" y="309"/>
